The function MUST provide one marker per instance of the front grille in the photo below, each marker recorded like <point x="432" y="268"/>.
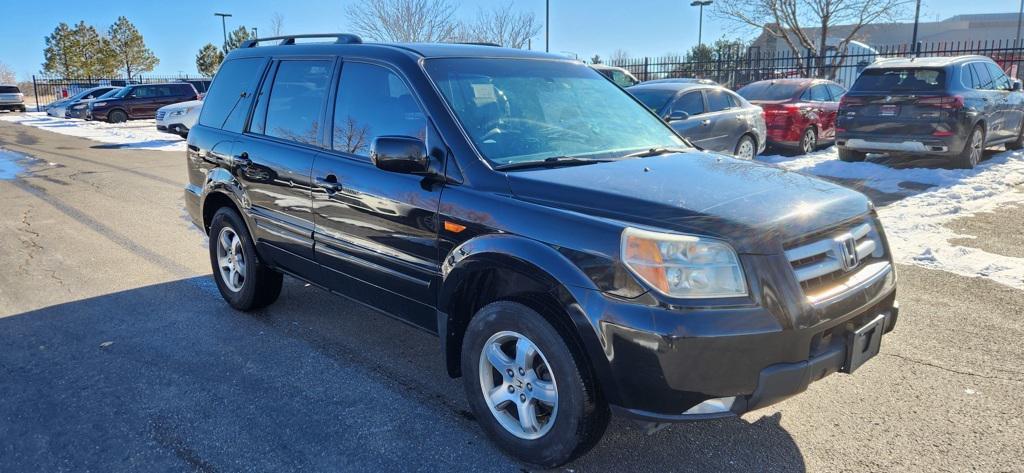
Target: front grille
<point x="825" y="261"/>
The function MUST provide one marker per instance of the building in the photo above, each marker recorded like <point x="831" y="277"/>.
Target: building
<point x="992" y="27"/>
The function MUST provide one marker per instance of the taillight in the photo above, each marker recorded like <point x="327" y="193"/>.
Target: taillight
<point x="950" y="102"/>
<point x="942" y="133"/>
<point x="846" y="100"/>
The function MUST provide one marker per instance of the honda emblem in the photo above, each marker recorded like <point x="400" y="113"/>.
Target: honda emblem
<point x="846" y="251"/>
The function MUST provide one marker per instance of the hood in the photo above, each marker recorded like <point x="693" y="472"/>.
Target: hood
<point x="757" y="207"/>
<point x="179" y="105"/>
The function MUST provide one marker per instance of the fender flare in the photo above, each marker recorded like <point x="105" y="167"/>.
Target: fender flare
<point x="538" y="261"/>
<point x="220" y="181"/>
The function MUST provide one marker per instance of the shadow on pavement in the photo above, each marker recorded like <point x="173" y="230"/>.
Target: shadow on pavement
<point x="167" y="377"/>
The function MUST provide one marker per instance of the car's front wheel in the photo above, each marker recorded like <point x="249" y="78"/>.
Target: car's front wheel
<point x="532" y="392"/>
<point x="243" y="280"/>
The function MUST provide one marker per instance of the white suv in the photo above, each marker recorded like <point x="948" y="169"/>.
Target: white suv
<point x="11" y="98"/>
<point x="178" y="118"/>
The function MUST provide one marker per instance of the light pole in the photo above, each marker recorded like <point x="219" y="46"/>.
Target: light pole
<point x="255" y="33"/>
<point x="224" y="26"/>
<point x="700" y="25"/>
<point x="547" y="26"/>
<point x="1020" y="16"/>
<point x="917" y="14"/>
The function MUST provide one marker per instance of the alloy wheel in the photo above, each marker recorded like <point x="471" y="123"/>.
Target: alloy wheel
<point x="976" y="147"/>
<point x="517" y="385"/>
<point x="807" y="143"/>
<point x="231" y="259"/>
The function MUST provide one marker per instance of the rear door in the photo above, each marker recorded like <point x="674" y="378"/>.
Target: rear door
<point x="376" y="231"/>
<point x="273" y="160"/>
<point x="988" y="99"/>
<point x="1009" y="114"/>
<point x="726" y="121"/>
<point x="823" y="106"/>
<point x="695" y="128"/>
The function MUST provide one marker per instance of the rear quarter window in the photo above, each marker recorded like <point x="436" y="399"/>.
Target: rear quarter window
<point x="901" y="80"/>
<point x="230" y="96"/>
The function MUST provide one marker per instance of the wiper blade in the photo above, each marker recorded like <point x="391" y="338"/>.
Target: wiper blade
<point x="554" y="161"/>
<point x="655" y="152"/>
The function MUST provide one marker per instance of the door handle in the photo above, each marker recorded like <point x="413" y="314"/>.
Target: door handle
<point x="706" y="122"/>
<point x="329" y="183"/>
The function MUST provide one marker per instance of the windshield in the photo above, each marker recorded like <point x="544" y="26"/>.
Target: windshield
<point x="903" y="79"/>
<point x="111" y="93"/>
<point x="527" y="110"/>
<point x="769" y="90"/>
<point x="654" y="99"/>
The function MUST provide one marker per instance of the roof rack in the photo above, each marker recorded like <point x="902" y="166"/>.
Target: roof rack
<point x="340" y="38"/>
<point x="478" y="43"/>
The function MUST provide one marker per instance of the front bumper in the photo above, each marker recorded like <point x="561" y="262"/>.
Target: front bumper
<point x="756" y="356"/>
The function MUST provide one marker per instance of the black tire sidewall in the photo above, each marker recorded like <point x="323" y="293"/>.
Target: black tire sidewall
<point x="964" y="160"/>
<point x="246" y="299"/>
<point x="562" y="441"/>
<point x="112" y="116"/>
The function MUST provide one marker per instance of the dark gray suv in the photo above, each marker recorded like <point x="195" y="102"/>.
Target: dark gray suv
<point x="951" y="107"/>
<point x="710" y="116"/>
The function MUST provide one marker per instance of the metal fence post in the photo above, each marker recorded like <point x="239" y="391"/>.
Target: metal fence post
<point x="35" y="92"/>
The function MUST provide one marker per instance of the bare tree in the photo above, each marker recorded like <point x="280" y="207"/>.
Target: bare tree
<point x="618" y="57"/>
<point x="503" y="26"/>
<point x="789" y="20"/>
<point x="404" y="20"/>
<point x="7" y="74"/>
<point x="277" y="24"/>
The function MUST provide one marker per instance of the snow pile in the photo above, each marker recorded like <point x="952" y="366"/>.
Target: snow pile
<point x="137" y="134"/>
<point x="915" y="224"/>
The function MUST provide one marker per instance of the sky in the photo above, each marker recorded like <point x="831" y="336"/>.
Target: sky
<point x="176" y="30"/>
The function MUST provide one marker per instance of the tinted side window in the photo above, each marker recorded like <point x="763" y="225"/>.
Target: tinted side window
<point x="227" y="103"/>
<point x="718" y="101"/>
<point x="182" y="89"/>
<point x="820" y="94"/>
<point x="999" y="79"/>
<point x="296" y="100"/>
<point x="837" y="92"/>
<point x="691" y="103"/>
<point x="982" y="79"/>
<point x="373" y="101"/>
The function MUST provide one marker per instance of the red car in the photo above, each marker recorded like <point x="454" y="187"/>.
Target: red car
<point x="800" y="114"/>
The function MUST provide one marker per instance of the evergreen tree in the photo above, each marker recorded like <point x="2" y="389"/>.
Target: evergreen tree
<point x="59" y="54"/>
<point x="236" y="38"/>
<point x="78" y="52"/>
<point x="129" y="49"/>
<point x="208" y="60"/>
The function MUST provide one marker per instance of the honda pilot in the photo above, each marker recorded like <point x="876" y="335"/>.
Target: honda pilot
<point x="948" y="107"/>
<point x="576" y="257"/>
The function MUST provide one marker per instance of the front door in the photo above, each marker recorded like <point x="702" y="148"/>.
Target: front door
<point x="376" y="231"/>
<point x="696" y="128"/>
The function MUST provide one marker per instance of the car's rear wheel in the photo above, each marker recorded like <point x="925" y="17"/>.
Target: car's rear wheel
<point x="851" y="156"/>
<point x="974" y="146"/>
<point x="746" y="148"/>
<point x="117" y="116"/>
<point x="808" y="141"/>
<point x="243" y="280"/>
<point x="531" y="391"/>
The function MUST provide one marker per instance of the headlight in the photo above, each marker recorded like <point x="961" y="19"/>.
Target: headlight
<point x="99" y="104"/>
<point x="685" y="266"/>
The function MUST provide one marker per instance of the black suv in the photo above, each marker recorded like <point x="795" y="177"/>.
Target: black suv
<point x="952" y="107"/>
<point x="139" y="101"/>
<point x="574" y="254"/>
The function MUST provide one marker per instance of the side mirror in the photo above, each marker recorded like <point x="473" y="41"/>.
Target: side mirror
<point x="677" y="115"/>
<point x="1015" y="86"/>
<point x="403" y="154"/>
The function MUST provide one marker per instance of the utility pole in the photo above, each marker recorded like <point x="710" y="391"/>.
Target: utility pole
<point x="917" y="14"/>
<point x="255" y="33"/>
<point x="700" y="25"/>
<point x="224" y="26"/>
<point x="1020" y="15"/>
<point x="547" y="26"/>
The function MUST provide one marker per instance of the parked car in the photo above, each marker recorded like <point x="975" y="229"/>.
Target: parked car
<point x="178" y="118"/>
<point x="60" y="108"/>
<point x="950" y="107"/>
<point x="575" y="256"/>
<point x="684" y="80"/>
<point x="800" y="113"/>
<point x="139" y="101"/>
<point x="11" y="98"/>
<point x="81" y="108"/>
<point x="620" y="76"/>
<point x="712" y="117"/>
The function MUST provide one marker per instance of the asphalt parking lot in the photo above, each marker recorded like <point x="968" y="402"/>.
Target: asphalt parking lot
<point x="118" y="354"/>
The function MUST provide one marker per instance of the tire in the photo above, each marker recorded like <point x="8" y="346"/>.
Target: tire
<point x="117" y="116"/>
<point x="1019" y="142"/>
<point x="808" y="141"/>
<point x="851" y="156"/>
<point x="974" y="147"/>
<point x="255" y="286"/>
<point x="565" y="428"/>
<point x="746" y="148"/>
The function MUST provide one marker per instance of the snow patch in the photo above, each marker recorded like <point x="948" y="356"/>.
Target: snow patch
<point x="916" y="224"/>
<point x="137" y="134"/>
